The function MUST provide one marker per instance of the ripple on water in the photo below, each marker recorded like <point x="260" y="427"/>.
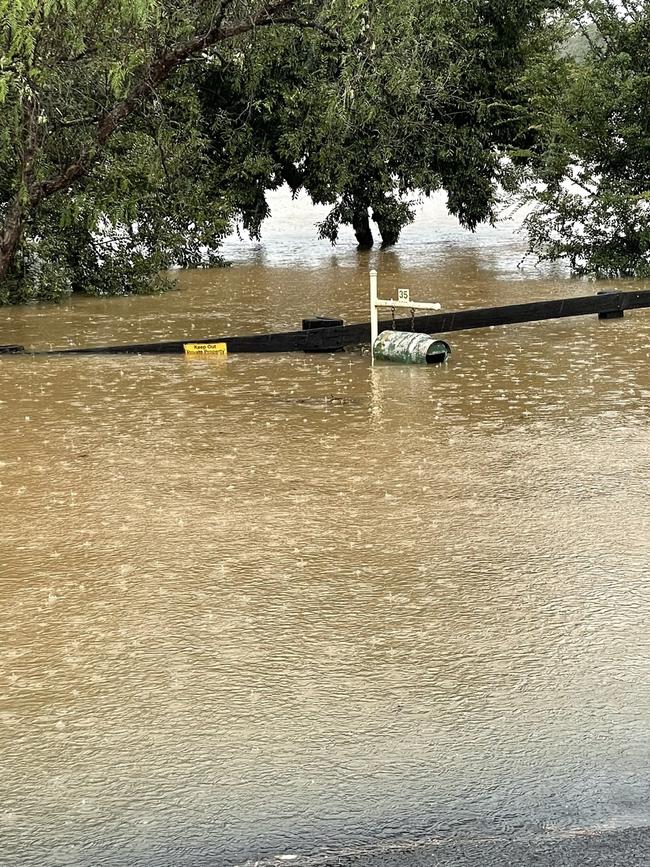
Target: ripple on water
<point x="288" y="601"/>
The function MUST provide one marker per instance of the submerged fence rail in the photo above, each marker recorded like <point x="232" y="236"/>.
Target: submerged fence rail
<point x="606" y="305"/>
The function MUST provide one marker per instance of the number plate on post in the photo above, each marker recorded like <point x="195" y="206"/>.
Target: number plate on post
<point x="403" y="295"/>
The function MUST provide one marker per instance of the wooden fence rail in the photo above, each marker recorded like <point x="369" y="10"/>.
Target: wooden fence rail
<point x="325" y="339"/>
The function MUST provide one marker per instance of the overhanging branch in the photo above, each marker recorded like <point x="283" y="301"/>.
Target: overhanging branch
<point x="158" y="71"/>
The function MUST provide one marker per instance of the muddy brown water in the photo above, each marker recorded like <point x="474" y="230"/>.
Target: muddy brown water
<point x="279" y="604"/>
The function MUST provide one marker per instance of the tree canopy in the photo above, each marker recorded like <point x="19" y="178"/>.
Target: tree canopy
<point x="590" y="177"/>
<point x="133" y="132"/>
<point x="104" y="178"/>
<point x="427" y="94"/>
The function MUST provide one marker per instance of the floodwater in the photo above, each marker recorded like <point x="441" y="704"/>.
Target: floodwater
<point x="283" y="605"/>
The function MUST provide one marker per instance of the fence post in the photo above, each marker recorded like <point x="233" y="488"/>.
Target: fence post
<point x="374" y="319"/>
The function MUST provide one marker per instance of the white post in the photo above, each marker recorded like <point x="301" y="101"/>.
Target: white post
<point x="374" y="319"/>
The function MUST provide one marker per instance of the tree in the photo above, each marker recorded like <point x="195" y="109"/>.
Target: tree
<point x="99" y="153"/>
<point x="590" y="178"/>
<point x="430" y="94"/>
<point x="133" y="130"/>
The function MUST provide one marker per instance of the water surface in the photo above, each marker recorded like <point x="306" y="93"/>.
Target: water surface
<point x="282" y="604"/>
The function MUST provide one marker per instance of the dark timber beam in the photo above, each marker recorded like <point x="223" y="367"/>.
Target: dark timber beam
<point x="331" y="339"/>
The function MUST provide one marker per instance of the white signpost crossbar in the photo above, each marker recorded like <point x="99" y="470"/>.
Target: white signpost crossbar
<point x="402" y="301"/>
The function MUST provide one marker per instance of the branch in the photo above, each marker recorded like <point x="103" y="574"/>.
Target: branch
<point x="612" y="7"/>
<point x="159" y="70"/>
<point x="79" y="121"/>
<point x="582" y="186"/>
<point x="217" y="21"/>
<point x="596" y="49"/>
<point x="30" y="139"/>
<point x="163" y="160"/>
<point x="633" y="12"/>
<point x="82" y="55"/>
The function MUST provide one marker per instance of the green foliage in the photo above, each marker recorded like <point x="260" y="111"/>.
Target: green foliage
<point x="105" y="175"/>
<point x="590" y="182"/>
<point x="409" y="94"/>
<point x="133" y="132"/>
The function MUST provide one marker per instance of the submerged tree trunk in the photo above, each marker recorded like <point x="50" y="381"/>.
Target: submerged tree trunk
<point x="388" y="230"/>
<point x="361" y="226"/>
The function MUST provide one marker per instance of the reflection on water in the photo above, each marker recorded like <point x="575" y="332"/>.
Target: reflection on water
<point x="281" y="603"/>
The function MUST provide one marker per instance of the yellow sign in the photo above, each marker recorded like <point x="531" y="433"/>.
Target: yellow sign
<point x="205" y="349"/>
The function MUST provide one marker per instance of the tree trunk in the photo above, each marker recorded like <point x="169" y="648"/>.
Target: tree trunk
<point x="388" y="230"/>
<point x="11" y="231"/>
<point x="10" y="238"/>
<point x="361" y="226"/>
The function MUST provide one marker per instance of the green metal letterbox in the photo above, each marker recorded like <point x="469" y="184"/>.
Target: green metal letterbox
<point x="410" y="347"/>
